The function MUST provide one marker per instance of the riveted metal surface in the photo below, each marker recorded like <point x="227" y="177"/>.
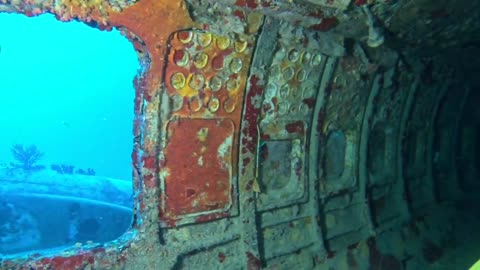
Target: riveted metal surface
<point x="286" y="116"/>
<point x="345" y="120"/>
<point x="277" y="137"/>
<point x="383" y="185"/>
<point x="341" y="193"/>
<point x="205" y="81"/>
<point x="231" y="135"/>
<point x="206" y="74"/>
<point x="415" y="143"/>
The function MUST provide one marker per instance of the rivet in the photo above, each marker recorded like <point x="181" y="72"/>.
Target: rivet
<point x="185" y="36"/>
<point x="296" y="92"/>
<point x="214" y="104"/>
<point x="177" y="80"/>
<point x="232" y="84"/>
<point x="304" y="109"/>
<point x="301" y="75"/>
<point x="270" y="90"/>
<point x="240" y="45"/>
<point x="292" y="109"/>
<point x="197" y="81"/>
<point x="215" y="83"/>
<point x="229" y="105"/>
<point x="288" y="73"/>
<point x="283" y="108"/>
<point x="181" y="58"/>
<point x="195" y="104"/>
<point x="284" y="90"/>
<point x="293" y="55"/>
<point x="223" y="42"/>
<point x="306" y="57"/>
<point x="204" y="39"/>
<point x="177" y="102"/>
<point x="235" y="65"/>
<point x="200" y="60"/>
<point x="317" y="60"/>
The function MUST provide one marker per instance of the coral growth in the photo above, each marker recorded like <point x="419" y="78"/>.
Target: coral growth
<point x="63" y="168"/>
<point x="26" y="157"/>
<point x="70" y="169"/>
<point x="88" y="171"/>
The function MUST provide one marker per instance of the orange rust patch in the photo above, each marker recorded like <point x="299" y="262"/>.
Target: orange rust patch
<point x="153" y="21"/>
<point x="199" y="166"/>
<point x="205" y="78"/>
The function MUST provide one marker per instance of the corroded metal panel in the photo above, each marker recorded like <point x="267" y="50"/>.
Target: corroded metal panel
<point x="287" y="237"/>
<point x="281" y="173"/>
<point x="205" y="75"/>
<point x="223" y="256"/>
<point x="205" y="80"/>
<point x="286" y="116"/>
<point x="198" y="167"/>
<point x="196" y="57"/>
<point x="285" y="206"/>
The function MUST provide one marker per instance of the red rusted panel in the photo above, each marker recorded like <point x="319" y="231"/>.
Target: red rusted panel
<point x="205" y="80"/>
<point x="198" y="166"/>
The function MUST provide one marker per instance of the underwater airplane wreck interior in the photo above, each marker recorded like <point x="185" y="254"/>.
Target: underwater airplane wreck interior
<point x="260" y="134"/>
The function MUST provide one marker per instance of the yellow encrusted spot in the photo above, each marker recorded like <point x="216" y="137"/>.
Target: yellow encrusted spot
<point x="256" y="186"/>
<point x="204" y="39"/>
<point x="202" y="134"/>
<point x="178" y="80"/>
<point x="223" y="42"/>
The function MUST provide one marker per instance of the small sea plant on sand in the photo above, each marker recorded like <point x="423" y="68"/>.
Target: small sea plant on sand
<point x="63" y="168"/>
<point x="70" y="169"/>
<point x="26" y="157"/>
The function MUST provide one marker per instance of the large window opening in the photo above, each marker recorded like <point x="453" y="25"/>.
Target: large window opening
<point x="66" y="100"/>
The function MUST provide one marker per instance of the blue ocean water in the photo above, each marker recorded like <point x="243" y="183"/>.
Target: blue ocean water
<point x="68" y="89"/>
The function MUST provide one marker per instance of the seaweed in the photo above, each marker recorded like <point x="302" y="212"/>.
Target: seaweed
<point x="26" y="157"/>
<point x="70" y="169"/>
<point x="88" y="171"/>
<point x="91" y="171"/>
<point x="80" y="171"/>
<point x="63" y="168"/>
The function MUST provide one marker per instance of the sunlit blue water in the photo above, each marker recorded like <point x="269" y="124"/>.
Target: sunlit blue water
<point x="67" y="88"/>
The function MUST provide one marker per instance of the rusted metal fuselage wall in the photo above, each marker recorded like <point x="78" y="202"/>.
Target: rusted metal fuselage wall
<point x="261" y="140"/>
